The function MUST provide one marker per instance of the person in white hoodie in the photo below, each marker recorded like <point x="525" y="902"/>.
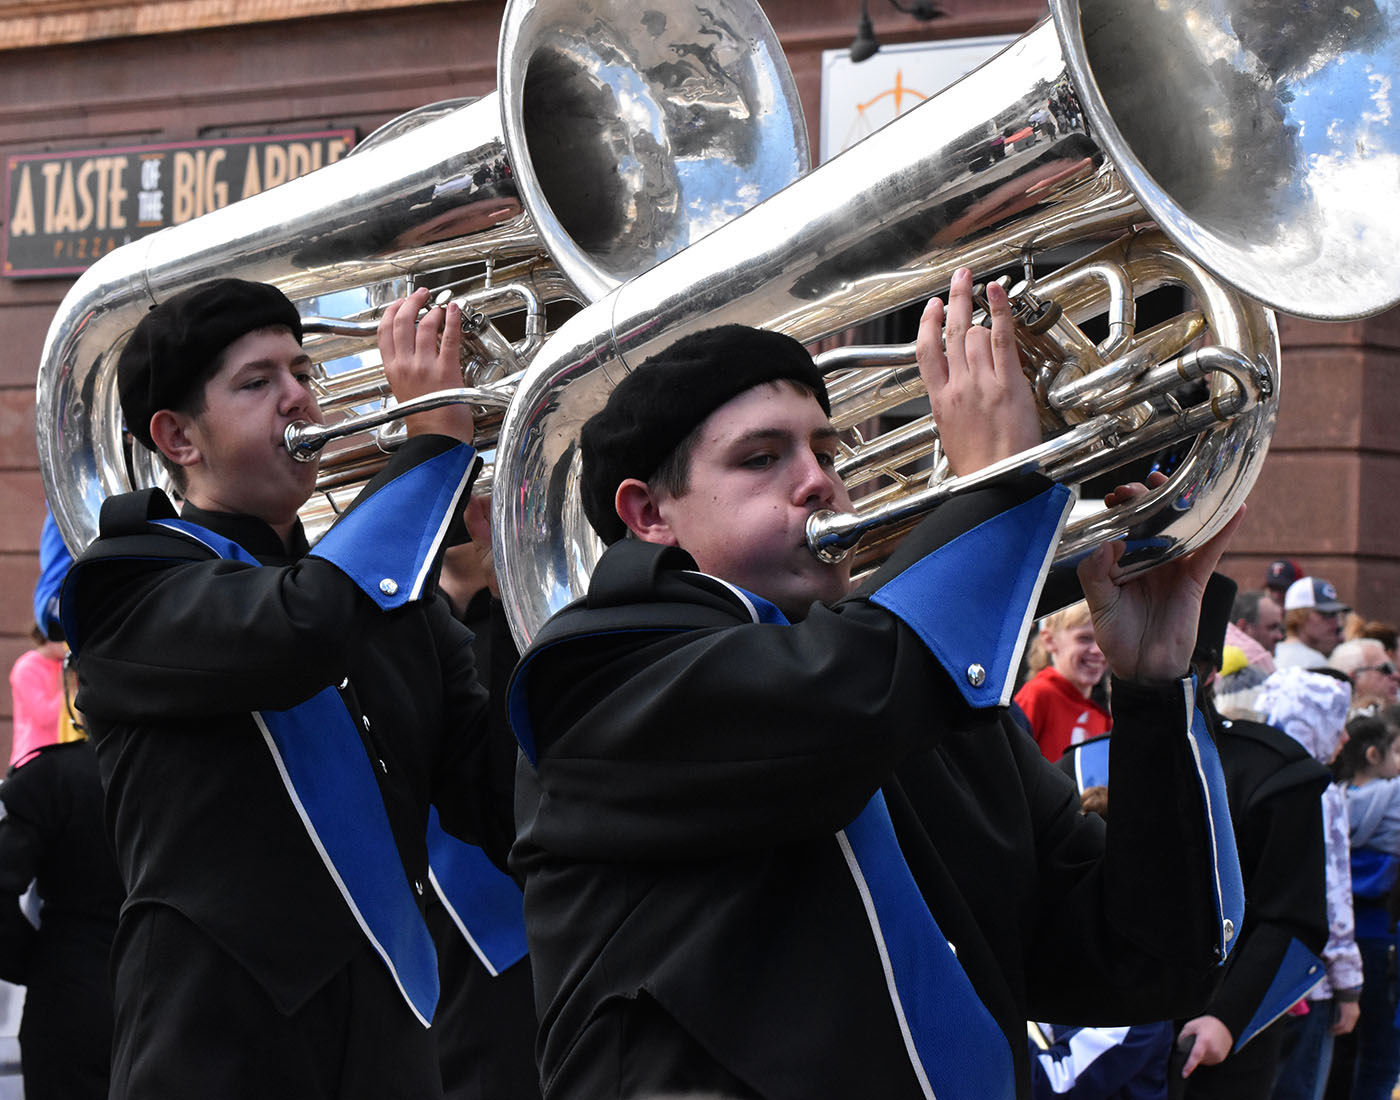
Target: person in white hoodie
<point x="1311" y="707"/>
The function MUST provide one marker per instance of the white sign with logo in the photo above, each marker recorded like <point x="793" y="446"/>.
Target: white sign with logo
<point x="859" y="98"/>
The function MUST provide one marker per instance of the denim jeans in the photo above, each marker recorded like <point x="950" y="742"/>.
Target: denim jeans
<point x="1377" y="1038"/>
<point x="1307" y="1054"/>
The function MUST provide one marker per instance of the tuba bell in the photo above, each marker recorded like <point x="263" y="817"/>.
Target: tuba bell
<point x="1233" y="149"/>
<point x="614" y="140"/>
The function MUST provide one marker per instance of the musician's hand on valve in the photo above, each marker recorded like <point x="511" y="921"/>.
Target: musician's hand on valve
<point x="423" y="357"/>
<point x="1146" y="625"/>
<point x="981" y="402"/>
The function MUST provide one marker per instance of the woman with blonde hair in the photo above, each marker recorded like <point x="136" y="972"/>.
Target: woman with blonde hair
<point x="1058" y="700"/>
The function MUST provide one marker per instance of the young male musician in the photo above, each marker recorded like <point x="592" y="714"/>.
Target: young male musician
<point x="271" y="723"/>
<point x="1275" y="792"/>
<point x="780" y="849"/>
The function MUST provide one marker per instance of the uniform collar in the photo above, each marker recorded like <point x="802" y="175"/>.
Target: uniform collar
<point x="251" y="533"/>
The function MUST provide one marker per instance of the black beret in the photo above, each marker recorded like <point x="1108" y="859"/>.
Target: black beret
<point x="1216" y="603"/>
<point x="656" y="406"/>
<point x="174" y="348"/>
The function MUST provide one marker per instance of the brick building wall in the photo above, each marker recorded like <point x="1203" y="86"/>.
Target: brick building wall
<point x="1329" y="494"/>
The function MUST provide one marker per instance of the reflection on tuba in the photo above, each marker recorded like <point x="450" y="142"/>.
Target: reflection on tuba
<point x="1266" y="159"/>
<point x="616" y="139"/>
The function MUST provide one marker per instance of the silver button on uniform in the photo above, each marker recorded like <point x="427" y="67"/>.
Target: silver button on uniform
<point x="976" y="675"/>
<point x="388" y="586"/>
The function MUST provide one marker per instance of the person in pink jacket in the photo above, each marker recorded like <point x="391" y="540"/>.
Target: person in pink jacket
<point x="36" y="689"/>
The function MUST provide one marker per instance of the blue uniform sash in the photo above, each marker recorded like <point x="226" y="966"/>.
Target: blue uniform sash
<point x="330" y="779"/>
<point x="1228" y="882"/>
<point x="486" y="905"/>
<point x="955" y="1047"/>
<point x="331" y="783"/>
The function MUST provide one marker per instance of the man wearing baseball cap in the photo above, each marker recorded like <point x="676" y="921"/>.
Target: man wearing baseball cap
<point x="1312" y="624"/>
<point x="271" y="722"/>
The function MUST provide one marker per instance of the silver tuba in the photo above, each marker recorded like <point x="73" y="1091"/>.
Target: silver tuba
<point x="1257" y="137"/>
<point x="618" y="136"/>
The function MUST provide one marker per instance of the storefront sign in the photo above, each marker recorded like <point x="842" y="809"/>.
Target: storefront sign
<point x="65" y="210"/>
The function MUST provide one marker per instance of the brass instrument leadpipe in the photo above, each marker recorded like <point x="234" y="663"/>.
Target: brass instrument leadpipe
<point x="1096" y="446"/>
<point x="305" y="440"/>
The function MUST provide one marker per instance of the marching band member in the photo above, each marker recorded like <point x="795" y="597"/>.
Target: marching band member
<point x="272" y="723"/>
<point x="779" y="839"/>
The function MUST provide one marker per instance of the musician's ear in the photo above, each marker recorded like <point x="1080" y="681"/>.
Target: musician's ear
<point x="638" y="507"/>
<point x="170" y="432"/>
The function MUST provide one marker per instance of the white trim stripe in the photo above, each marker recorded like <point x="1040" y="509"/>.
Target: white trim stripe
<point x="1188" y="693"/>
<point x="461" y="925"/>
<point x="172" y="525"/>
<point x="330" y="866"/>
<point x="1281" y="1012"/>
<point x="428" y="558"/>
<point x="738" y="593"/>
<point x="866" y="900"/>
<point x="1008" y="676"/>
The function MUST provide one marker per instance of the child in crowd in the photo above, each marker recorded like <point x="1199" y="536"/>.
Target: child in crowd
<point x="1062" y="702"/>
<point x="1367" y="766"/>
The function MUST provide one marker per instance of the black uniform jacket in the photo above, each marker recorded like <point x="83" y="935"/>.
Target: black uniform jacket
<point x="176" y="650"/>
<point x="52" y="835"/>
<point x="692" y="924"/>
<point x="1275" y="790"/>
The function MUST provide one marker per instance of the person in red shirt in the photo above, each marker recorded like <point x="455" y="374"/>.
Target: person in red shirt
<point x="1057" y="700"/>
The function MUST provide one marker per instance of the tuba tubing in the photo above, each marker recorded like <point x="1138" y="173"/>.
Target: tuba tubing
<point x="310" y="236"/>
<point x="1058" y="139"/>
<point x="614" y="142"/>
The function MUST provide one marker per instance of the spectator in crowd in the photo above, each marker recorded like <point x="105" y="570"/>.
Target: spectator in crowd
<point x="1312" y="624"/>
<point x="1237" y="685"/>
<point x="36" y="695"/>
<point x="1375" y="681"/>
<point x="1383" y="632"/>
<point x="1247" y="660"/>
<point x="1311" y="707"/>
<point x="36" y="679"/>
<point x="1256" y="627"/>
<point x="1280" y="574"/>
<point x="1058" y="701"/>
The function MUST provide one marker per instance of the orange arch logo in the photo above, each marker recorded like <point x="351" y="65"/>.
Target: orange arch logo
<point x="882" y="108"/>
